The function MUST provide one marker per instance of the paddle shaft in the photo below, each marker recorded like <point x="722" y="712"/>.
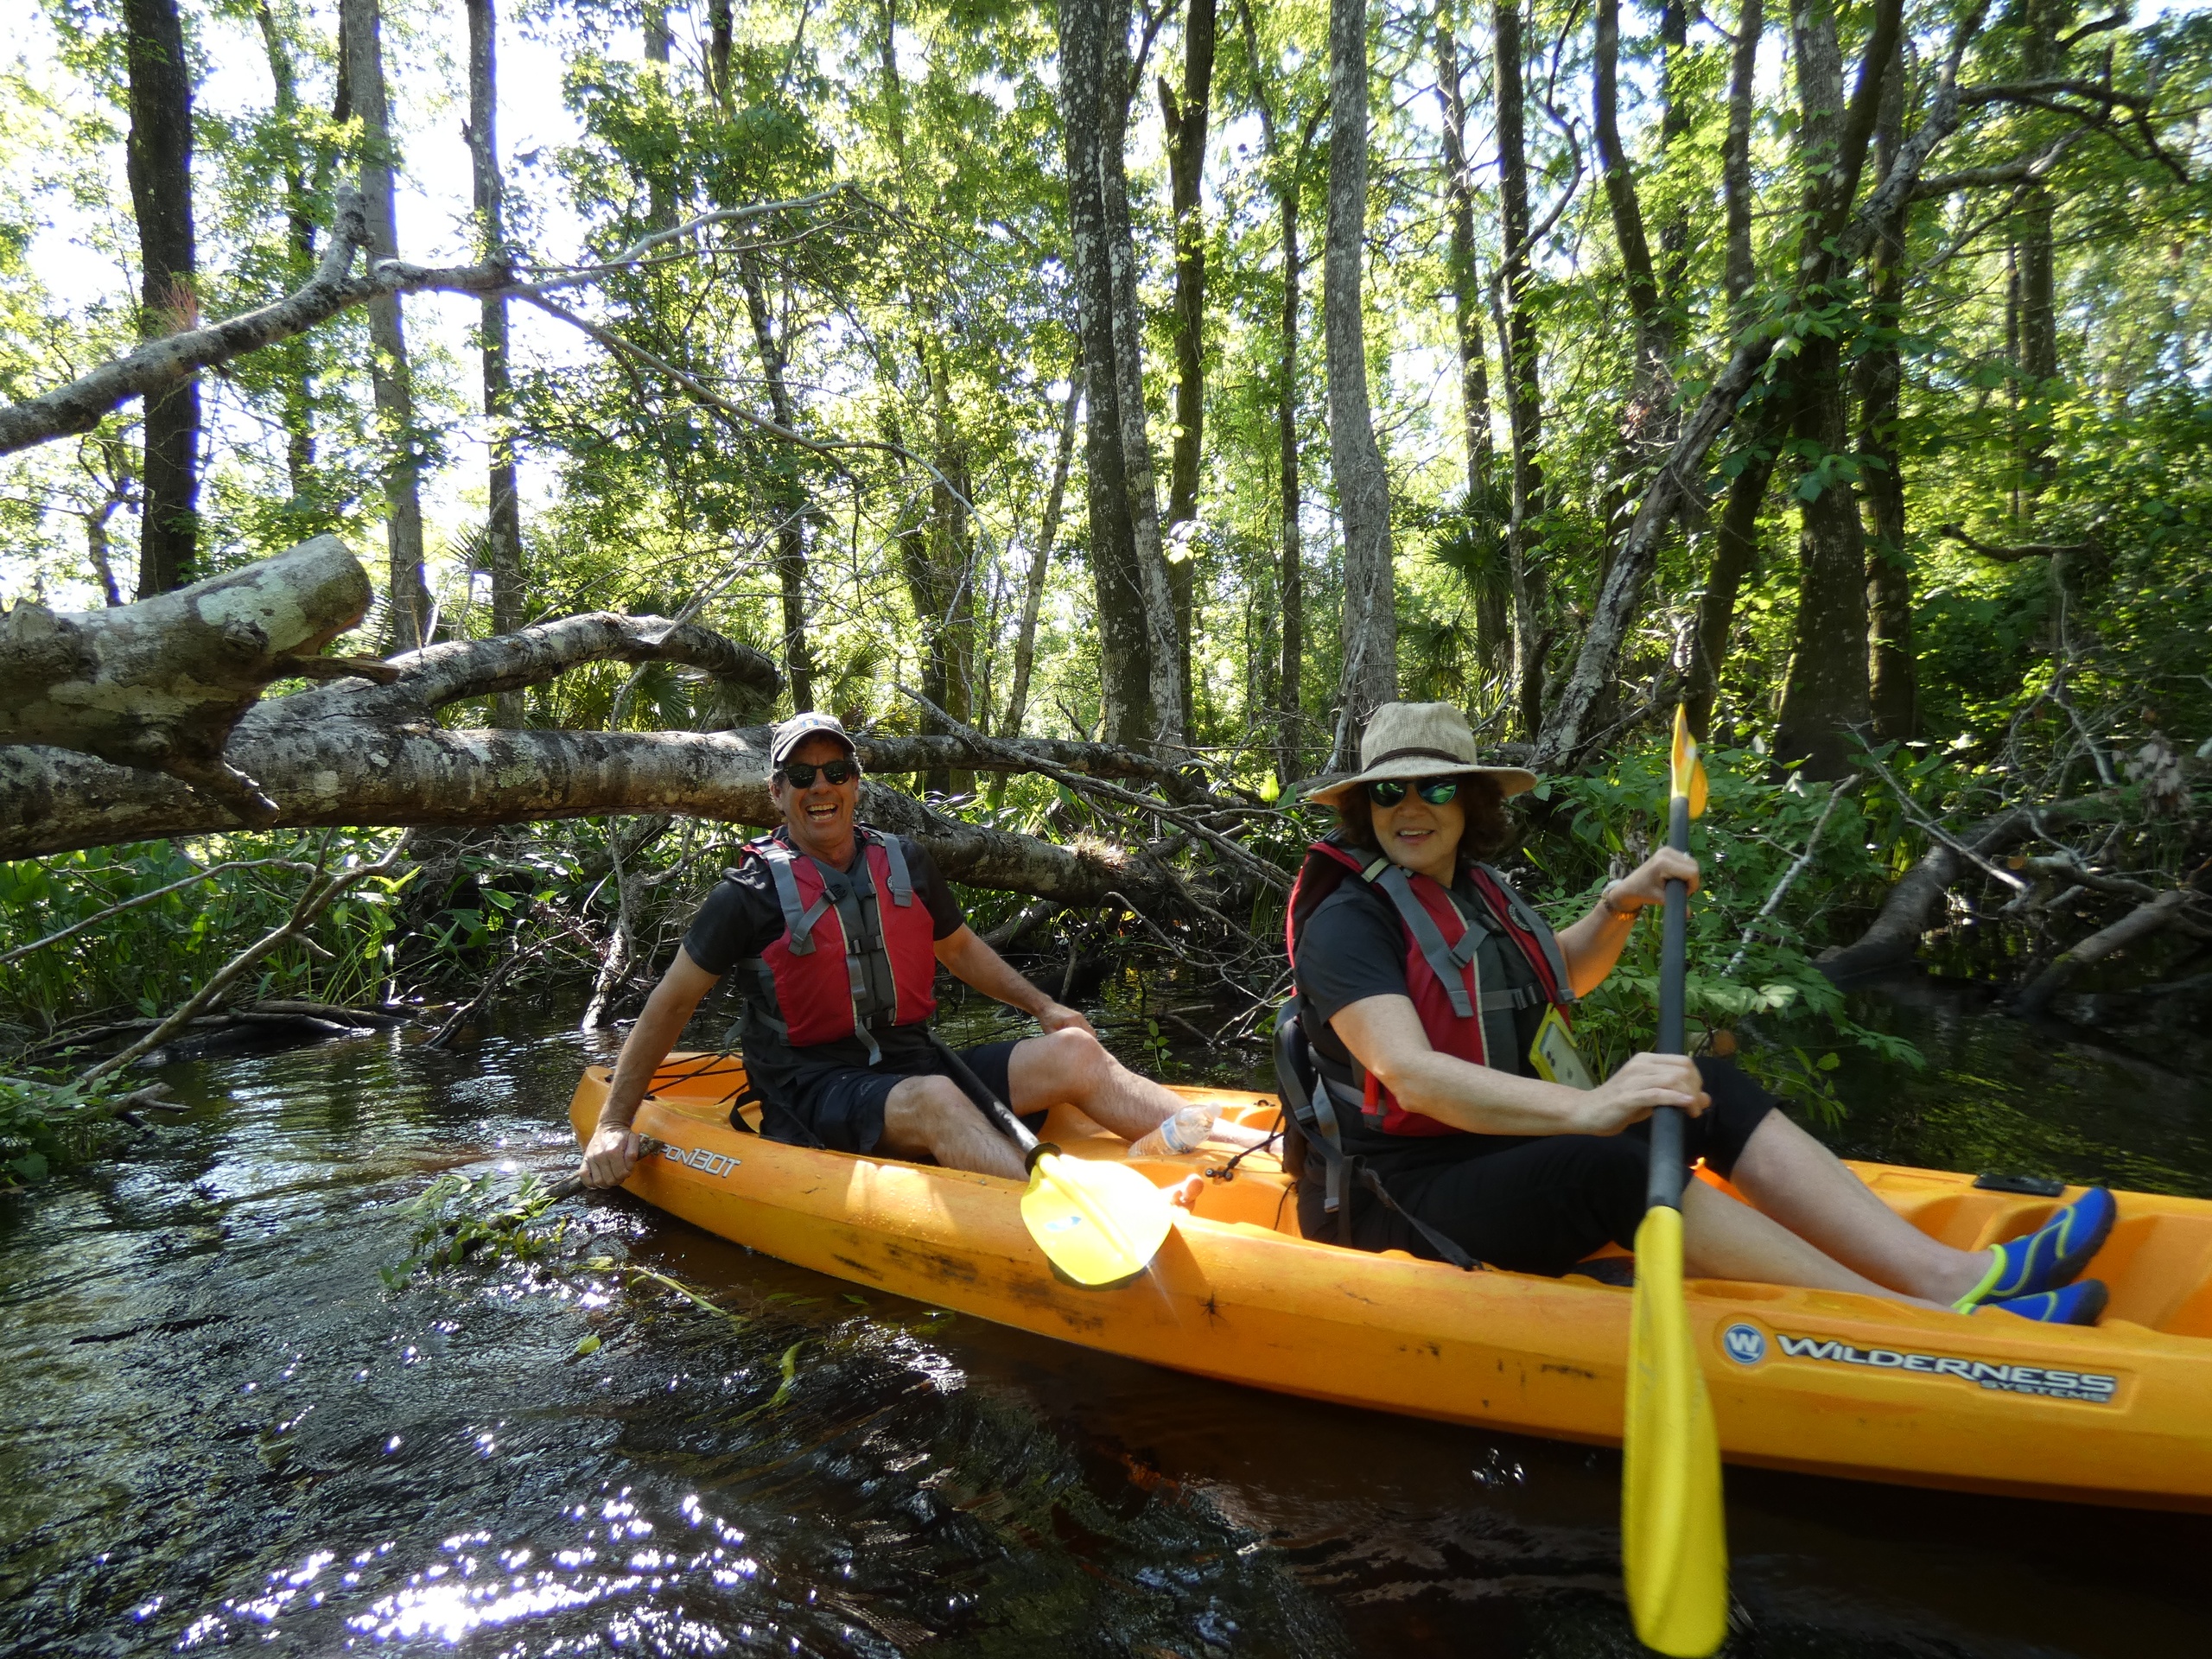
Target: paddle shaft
<point x="996" y="1109"/>
<point x="1667" y="1174"/>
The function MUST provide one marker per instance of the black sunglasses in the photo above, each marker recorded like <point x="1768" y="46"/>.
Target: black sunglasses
<point x="1389" y="792"/>
<point x="800" y="774"/>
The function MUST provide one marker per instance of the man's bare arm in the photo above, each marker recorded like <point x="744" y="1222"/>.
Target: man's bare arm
<point x="968" y="959"/>
<point x="613" y="1152"/>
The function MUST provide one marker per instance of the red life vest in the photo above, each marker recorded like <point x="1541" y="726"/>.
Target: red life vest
<point x="856" y="955"/>
<point x="1443" y="946"/>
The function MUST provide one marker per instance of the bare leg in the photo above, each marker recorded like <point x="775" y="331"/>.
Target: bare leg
<point x="1070" y="1066"/>
<point x="1723" y="1239"/>
<point x="929" y="1117"/>
<point x="1800" y="1184"/>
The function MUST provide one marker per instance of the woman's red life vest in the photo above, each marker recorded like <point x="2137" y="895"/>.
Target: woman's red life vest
<point x="857" y="954"/>
<point x="1443" y="946"/>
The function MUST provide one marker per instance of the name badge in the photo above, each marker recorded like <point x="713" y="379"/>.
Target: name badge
<point x="1554" y="1055"/>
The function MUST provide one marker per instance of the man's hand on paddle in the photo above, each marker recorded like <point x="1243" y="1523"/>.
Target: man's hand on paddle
<point x="611" y="1155"/>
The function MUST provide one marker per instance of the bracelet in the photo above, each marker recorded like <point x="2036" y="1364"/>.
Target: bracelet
<point x="1606" y="899"/>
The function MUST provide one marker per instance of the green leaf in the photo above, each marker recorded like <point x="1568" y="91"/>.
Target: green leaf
<point x="588" y="1346"/>
<point x="31" y="1165"/>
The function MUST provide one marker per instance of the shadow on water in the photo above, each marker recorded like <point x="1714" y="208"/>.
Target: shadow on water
<point x="221" y="1429"/>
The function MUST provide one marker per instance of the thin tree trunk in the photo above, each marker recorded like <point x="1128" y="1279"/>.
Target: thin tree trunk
<point x="1735" y="547"/>
<point x="721" y="41"/>
<point x="1646" y="421"/>
<point x="1674" y="127"/>
<point x="298" y="380"/>
<point x="1893" y="692"/>
<point x="1186" y="118"/>
<point x="1493" y="604"/>
<point x="1518" y="348"/>
<point x="2037" y="361"/>
<point x="788" y="497"/>
<point x="1093" y="77"/>
<point x="503" y="522"/>
<point x="1735" y="555"/>
<point x="1740" y="269"/>
<point x="157" y="157"/>
<point x="389" y="380"/>
<point x="1040" y="559"/>
<point x="1371" y="617"/>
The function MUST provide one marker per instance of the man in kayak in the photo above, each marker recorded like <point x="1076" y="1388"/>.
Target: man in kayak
<point x="1437" y="1004"/>
<point x="835" y="931"/>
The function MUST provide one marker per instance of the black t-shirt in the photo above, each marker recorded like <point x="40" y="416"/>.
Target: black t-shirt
<point x="741" y="917"/>
<point x="1354" y="947"/>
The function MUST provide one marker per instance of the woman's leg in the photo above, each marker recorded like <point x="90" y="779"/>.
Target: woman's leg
<point x="1799" y="1184"/>
<point x="1723" y="1239"/>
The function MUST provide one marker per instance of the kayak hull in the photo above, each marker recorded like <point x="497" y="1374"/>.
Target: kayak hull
<point x="1815" y="1382"/>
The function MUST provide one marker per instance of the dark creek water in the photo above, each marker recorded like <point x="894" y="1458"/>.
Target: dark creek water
<point x="219" y="1429"/>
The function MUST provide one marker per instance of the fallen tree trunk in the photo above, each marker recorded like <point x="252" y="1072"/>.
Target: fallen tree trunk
<point x="1894" y="935"/>
<point x="2138" y="924"/>
<point x="161" y="684"/>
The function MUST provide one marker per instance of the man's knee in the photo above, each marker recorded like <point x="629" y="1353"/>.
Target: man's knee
<point x="922" y="1110"/>
<point x="1073" y="1059"/>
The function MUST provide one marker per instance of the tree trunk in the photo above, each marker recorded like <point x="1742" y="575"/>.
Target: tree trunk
<point x="1735" y="555"/>
<point x="298" y="376"/>
<point x="1169" y="695"/>
<point x="1187" y="121"/>
<point x="1518" y="348"/>
<point x="391" y="381"/>
<point x="1287" y="175"/>
<point x="1825" y="698"/>
<point x="1735" y="547"/>
<point x="1493" y="604"/>
<point x="1371" y="617"/>
<point x="788" y="496"/>
<point x="157" y="157"/>
<point x="1040" y="559"/>
<point x="2037" y="360"/>
<point x="1087" y="91"/>
<point x="1740" y="269"/>
<point x="160" y="684"/>
<point x="1648" y="415"/>
<point x="503" y="522"/>
<point x="1891" y="675"/>
<point x="1674" y="127"/>
<point x="721" y="41"/>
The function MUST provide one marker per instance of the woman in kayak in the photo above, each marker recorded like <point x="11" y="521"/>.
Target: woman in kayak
<point x="1438" y="1005"/>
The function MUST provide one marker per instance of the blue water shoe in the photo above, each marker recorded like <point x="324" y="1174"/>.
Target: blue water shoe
<point x="2052" y="1255"/>
<point x="2080" y="1303"/>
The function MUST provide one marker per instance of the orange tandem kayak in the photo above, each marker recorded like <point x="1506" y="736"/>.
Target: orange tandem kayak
<point x="1817" y="1381"/>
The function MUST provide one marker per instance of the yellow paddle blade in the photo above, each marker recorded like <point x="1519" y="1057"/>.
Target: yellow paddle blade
<point x="1688" y="764"/>
<point x="1099" y="1223"/>
<point x="1674" y="1543"/>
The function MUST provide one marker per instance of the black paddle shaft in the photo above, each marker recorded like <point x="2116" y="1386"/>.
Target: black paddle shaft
<point x="994" y="1108"/>
<point x="1667" y="1173"/>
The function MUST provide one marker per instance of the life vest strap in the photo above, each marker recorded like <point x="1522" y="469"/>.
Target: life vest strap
<point x="902" y="885"/>
<point x="1447" y="962"/>
<point x="798" y="919"/>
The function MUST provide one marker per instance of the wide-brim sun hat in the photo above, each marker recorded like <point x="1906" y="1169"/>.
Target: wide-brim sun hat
<point x="1419" y="740"/>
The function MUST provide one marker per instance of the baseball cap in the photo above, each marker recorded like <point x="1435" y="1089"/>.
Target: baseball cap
<point x="796" y="730"/>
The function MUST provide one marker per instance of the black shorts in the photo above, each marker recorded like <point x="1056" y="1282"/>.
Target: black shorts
<point x="1540" y="1203"/>
<point x="841" y="1108"/>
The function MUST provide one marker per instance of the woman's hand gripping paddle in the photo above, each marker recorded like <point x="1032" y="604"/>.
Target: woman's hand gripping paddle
<point x="1099" y="1223"/>
<point x="1674" y="1540"/>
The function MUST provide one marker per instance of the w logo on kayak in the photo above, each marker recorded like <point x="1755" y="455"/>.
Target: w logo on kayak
<point x="1746" y="1344"/>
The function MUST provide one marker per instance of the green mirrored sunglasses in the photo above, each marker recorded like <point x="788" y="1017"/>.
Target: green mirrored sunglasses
<point x="1389" y="792"/>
